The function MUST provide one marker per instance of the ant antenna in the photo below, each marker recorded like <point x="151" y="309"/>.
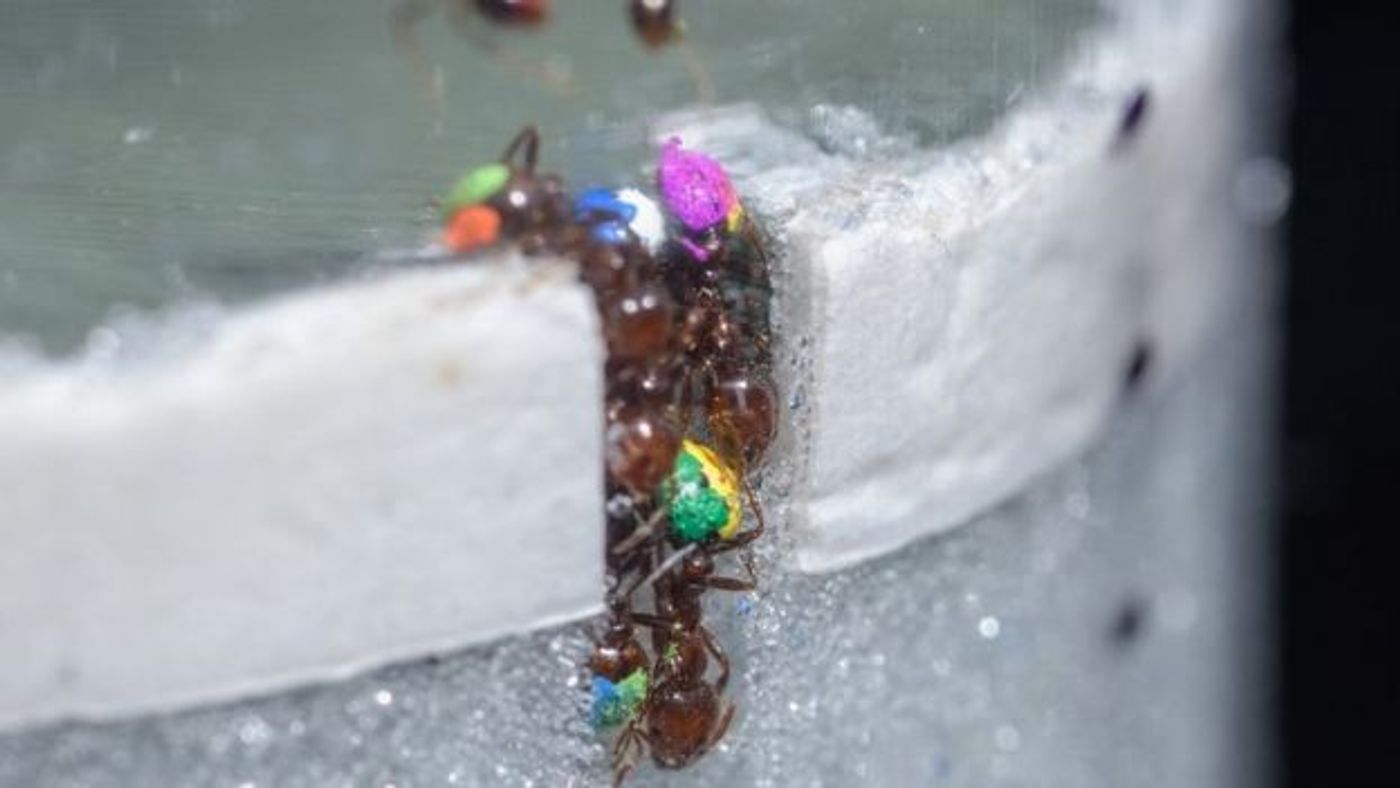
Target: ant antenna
<point x="530" y="138"/>
<point x="671" y="560"/>
<point x="640" y="534"/>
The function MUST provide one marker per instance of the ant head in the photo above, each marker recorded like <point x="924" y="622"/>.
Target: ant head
<point x="697" y="566"/>
<point x="654" y="21"/>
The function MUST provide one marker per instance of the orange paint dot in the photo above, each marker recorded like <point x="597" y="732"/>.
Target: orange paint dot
<point x="472" y="228"/>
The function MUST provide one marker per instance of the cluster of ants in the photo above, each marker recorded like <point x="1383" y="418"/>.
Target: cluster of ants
<point x="681" y="289"/>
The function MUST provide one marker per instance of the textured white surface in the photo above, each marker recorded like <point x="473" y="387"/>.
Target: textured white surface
<point x="964" y="318"/>
<point x="324" y="484"/>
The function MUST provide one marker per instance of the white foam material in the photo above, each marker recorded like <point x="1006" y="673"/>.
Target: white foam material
<point x="326" y="483"/>
<point x="970" y="313"/>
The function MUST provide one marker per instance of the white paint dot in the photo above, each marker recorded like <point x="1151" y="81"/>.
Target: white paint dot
<point x="384" y="698"/>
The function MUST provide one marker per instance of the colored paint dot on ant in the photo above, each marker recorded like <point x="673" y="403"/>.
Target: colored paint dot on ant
<point x="743" y="606"/>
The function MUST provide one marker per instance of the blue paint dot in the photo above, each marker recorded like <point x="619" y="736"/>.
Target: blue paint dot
<point x="599" y="201"/>
<point x="610" y="233"/>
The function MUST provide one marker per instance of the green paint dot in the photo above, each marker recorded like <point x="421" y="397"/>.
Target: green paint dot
<point x="632" y="690"/>
<point x="476" y="186"/>
<point x="697" y="512"/>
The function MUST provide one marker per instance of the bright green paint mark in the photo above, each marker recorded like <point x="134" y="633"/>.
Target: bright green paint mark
<point x="476" y="186"/>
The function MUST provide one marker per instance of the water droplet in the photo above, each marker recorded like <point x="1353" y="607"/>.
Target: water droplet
<point x="989" y="627"/>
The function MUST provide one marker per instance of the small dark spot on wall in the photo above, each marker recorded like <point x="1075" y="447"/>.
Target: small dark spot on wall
<point x="1129" y="622"/>
<point x="1134" y="115"/>
<point x="1139" y="365"/>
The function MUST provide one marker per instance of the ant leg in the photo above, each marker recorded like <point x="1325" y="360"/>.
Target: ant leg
<point x="633" y="562"/>
<point x="751" y="235"/>
<point x="747" y="537"/>
<point x="747" y="560"/>
<point x="721" y="728"/>
<point x="642" y="532"/>
<point x="728" y="583"/>
<point x="699" y="75"/>
<point x="623" y="763"/>
<point x="652" y="622"/>
<point x="554" y="80"/>
<point x="737" y="541"/>
<point x="404" y="21"/>
<point x="530" y="138"/>
<point x="720" y="657"/>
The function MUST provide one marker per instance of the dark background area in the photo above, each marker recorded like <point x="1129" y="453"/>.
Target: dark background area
<point x="1340" y="471"/>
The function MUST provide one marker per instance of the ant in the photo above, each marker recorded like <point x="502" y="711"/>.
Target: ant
<point x="619" y="669"/>
<point x="655" y="23"/>
<point x="683" y="716"/>
<point x="698" y="193"/>
<point x="514" y="14"/>
<point x="700" y="502"/>
<point x="738" y="395"/>
<point x="508" y="199"/>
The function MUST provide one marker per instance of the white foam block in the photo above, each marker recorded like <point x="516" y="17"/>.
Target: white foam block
<point x="960" y="321"/>
<point x="329" y="482"/>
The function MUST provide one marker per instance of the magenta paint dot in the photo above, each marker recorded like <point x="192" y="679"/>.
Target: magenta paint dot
<point x="694" y="187"/>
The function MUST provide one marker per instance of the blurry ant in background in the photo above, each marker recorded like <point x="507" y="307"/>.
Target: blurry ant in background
<point x="653" y="21"/>
<point x="514" y="14"/>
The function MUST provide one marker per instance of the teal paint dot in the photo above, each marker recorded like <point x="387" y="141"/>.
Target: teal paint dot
<point x="476" y="186"/>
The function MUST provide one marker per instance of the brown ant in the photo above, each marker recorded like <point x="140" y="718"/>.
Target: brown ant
<point x="509" y="199"/>
<point x="696" y="545"/>
<point x="656" y="25"/>
<point x="741" y="411"/>
<point x="738" y="395"/>
<point x="515" y="14"/>
<point x="618" y="654"/>
<point x="683" y="715"/>
<point x="655" y="21"/>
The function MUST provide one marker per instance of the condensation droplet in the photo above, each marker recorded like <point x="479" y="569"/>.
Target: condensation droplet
<point x="989" y="627"/>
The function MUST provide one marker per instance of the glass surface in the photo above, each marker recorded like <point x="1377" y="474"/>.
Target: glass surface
<point x="163" y="151"/>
